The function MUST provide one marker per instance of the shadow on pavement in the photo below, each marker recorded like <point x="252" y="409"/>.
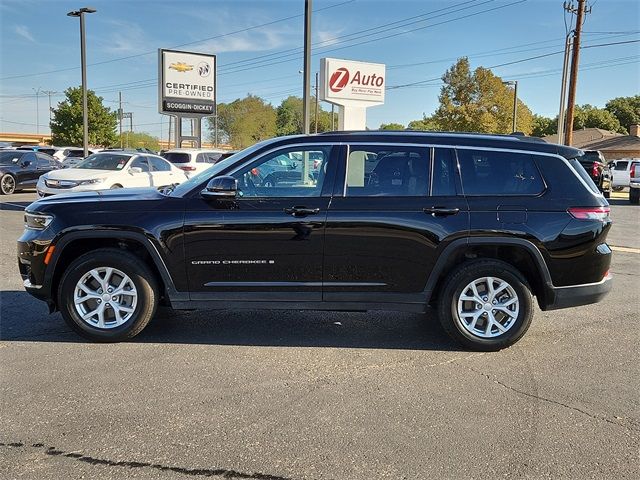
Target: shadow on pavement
<point x="23" y="318"/>
<point x="16" y="206"/>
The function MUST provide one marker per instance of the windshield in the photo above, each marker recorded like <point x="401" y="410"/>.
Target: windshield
<point x="10" y="157"/>
<point x="175" y="157"/>
<point x="105" y="161"/>
<point x="216" y="169"/>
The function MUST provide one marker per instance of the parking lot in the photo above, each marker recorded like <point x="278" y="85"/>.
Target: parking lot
<point x="299" y="395"/>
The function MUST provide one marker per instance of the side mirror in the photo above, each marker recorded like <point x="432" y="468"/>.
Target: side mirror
<point x="221" y="187"/>
<point x="133" y="170"/>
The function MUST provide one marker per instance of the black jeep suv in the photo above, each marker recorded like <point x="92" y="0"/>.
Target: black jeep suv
<point x="475" y="225"/>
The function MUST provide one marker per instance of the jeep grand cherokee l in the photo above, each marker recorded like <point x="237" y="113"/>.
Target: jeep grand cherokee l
<point x="475" y="225"/>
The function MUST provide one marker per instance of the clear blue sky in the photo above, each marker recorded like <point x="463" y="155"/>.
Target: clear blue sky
<point x="36" y="36"/>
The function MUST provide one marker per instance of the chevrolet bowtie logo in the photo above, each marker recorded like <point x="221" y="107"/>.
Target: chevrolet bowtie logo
<point x="181" y="67"/>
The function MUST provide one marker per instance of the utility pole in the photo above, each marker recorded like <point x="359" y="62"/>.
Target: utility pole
<point x="575" y="60"/>
<point x="37" y="109"/>
<point x="169" y="139"/>
<point x="49" y="93"/>
<point x="563" y="88"/>
<point x="316" y="122"/>
<point x="306" y="117"/>
<point x="120" y="115"/>
<point x="215" y="127"/>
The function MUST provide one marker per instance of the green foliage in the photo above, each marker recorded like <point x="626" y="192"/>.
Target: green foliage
<point x="289" y="119"/>
<point x="543" y="126"/>
<point x="139" y="140"/>
<point x="246" y="121"/>
<point x="626" y="110"/>
<point x="66" y="125"/>
<point x="391" y="126"/>
<point x="426" y="124"/>
<point x="588" y="116"/>
<point x="478" y="101"/>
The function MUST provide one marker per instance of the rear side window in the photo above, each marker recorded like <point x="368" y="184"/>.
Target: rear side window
<point x="176" y="157"/>
<point x="374" y="171"/>
<point x="487" y="172"/>
<point x="582" y="173"/>
<point x="158" y="165"/>
<point x="621" y="166"/>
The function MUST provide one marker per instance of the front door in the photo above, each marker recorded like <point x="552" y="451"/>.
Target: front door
<point x="389" y="220"/>
<point x="267" y="243"/>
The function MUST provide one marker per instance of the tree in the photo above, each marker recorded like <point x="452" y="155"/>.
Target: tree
<point x="66" y="125"/>
<point x="426" y="124"/>
<point x="289" y="119"/>
<point x="625" y="109"/>
<point x="246" y="121"/>
<point x="140" y="140"/>
<point x="588" y="116"/>
<point x="391" y="126"/>
<point x="543" y="126"/>
<point x="478" y="101"/>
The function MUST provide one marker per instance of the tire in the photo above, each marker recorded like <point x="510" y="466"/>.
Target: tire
<point x="485" y="335"/>
<point x="117" y="185"/>
<point x="618" y="188"/>
<point x="138" y="301"/>
<point x="7" y="184"/>
<point x="634" y="196"/>
<point x="607" y="194"/>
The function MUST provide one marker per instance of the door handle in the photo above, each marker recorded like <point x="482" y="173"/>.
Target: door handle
<point x="440" y="211"/>
<point x="301" y="211"/>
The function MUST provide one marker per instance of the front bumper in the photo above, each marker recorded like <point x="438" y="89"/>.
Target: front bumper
<point x="32" y="250"/>
<point x="576" y="295"/>
<point x="45" y="191"/>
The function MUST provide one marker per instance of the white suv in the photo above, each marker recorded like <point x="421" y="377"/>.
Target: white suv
<point x="195" y="160"/>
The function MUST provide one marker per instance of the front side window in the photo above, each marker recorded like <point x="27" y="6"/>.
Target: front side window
<point x="141" y="163"/>
<point x="443" y="183"/>
<point x="376" y="170"/>
<point x="201" y="158"/>
<point x="293" y="172"/>
<point x="489" y="172"/>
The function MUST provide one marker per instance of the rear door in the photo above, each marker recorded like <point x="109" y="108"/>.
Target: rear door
<point x="161" y="172"/>
<point x="394" y="210"/>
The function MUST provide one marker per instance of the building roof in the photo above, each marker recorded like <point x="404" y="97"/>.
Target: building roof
<point x="620" y="142"/>
<point x="585" y="137"/>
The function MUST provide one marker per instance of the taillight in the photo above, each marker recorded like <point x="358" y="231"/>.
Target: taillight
<point x="255" y="171"/>
<point x="632" y="172"/>
<point x="187" y="168"/>
<point x="594" y="170"/>
<point x="590" y="213"/>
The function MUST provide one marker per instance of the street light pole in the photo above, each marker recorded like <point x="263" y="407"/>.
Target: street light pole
<point x="83" y="58"/>
<point x="37" y="109"/>
<point x="515" y="103"/>
<point x="307" y="66"/>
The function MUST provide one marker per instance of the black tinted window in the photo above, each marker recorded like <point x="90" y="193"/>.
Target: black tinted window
<point x="621" y="165"/>
<point x="374" y="171"/>
<point x="487" y="172"/>
<point x="177" y="157"/>
<point x="158" y="165"/>
<point x="141" y="163"/>
<point x="444" y="173"/>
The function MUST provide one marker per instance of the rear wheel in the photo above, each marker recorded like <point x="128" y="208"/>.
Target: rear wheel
<point x="117" y="185"/>
<point x="485" y="305"/>
<point x="7" y="184"/>
<point x="634" y="196"/>
<point x="108" y="295"/>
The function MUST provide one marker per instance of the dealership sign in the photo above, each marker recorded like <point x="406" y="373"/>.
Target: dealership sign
<point x="187" y="83"/>
<point x="346" y="82"/>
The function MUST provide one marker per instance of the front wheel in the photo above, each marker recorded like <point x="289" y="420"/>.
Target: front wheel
<point x="7" y="184"/>
<point x="485" y="305"/>
<point x="108" y="295"/>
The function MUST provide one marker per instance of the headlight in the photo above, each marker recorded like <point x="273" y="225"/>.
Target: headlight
<point x="93" y="181"/>
<point x="37" y="221"/>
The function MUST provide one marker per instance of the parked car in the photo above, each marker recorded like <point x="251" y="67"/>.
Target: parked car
<point x="476" y="225"/>
<point x="634" y="183"/>
<point x="110" y="170"/>
<point x="194" y="160"/>
<point x="596" y="166"/>
<point x="621" y="172"/>
<point x="20" y="169"/>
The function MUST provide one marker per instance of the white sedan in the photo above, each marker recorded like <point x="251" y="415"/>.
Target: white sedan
<point x="105" y="170"/>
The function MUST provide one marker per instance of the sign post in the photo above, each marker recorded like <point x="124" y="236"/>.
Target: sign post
<point x="354" y="87"/>
<point x="187" y="89"/>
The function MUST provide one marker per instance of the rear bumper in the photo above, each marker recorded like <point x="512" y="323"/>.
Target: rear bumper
<point x="576" y="295"/>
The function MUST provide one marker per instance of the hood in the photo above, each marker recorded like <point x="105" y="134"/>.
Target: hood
<point x="115" y="195"/>
<point x="78" y="174"/>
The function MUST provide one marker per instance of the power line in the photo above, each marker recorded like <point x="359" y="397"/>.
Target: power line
<point x="176" y="46"/>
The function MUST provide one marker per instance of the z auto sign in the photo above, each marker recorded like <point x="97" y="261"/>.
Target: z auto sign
<point x="352" y="81"/>
<point x="187" y="83"/>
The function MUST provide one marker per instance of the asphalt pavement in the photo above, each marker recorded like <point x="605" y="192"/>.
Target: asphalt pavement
<point x="305" y="395"/>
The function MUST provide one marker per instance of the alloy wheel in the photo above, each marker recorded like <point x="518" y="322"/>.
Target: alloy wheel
<point x="8" y="184"/>
<point x="488" y="307"/>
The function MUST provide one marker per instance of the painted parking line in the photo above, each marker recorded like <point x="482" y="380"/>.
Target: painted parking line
<point x="624" y="249"/>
